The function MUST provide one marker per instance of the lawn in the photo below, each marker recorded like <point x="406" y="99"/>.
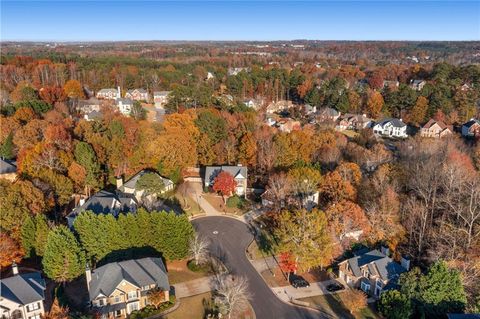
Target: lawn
<point x="332" y="305"/>
<point x="196" y="307"/>
<point x="179" y="272"/>
<point x="217" y="202"/>
<point x="189" y="205"/>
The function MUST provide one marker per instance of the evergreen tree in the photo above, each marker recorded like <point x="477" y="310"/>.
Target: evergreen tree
<point x="28" y="236"/>
<point x="63" y="259"/>
<point x="394" y="305"/>
<point x="6" y="148"/>
<point x="34" y="235"/>
<point x="85" y="156"/>
<point x="92" y="234"/>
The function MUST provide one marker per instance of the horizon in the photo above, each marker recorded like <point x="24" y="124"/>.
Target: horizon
<point x="254" y="21"/>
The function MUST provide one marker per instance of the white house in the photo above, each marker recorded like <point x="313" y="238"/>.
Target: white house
<point x="391" y="128"/>
<point x="124" y="105"/>
<point x="471" y="128"/>
<point x="160" y="98"/>
<point x="22" y="295"/>
<point x="109" y="94"/>
<point x="239" y="173"/>
<point x="137" y="95"/>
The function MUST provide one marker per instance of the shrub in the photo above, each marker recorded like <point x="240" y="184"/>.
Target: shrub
<point x="197" y="268"/>
<point x="234" y="202"/>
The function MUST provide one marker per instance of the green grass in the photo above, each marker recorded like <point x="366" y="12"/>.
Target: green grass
<point x="190" y="206"/>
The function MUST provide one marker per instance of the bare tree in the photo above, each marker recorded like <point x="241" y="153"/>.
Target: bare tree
<point x="198" y="249"/>
<point x="232" y="294"/>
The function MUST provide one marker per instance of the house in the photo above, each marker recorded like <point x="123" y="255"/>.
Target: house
<point x="235" y="71"/>
<point x="117" y="289"/>
<point x="436" y="129"/>
<point x="109" y="94"/>
<point x="137" y="95"/>
<point x="391" y="84"/>
<point x="104" y="202"/>
<point x="391" y="128"/>
<point x="210" y="76"/>
<point x="279" y="106"/>
<point x="417" y="84"/>
<point x="130" y="186"/>
<point x="239" y="173"/>
<point x="307" y="201"/>
<point x="471" y="128"/>
<point x="8" y="170"/>
<point x="125" y="106"/>
<point x="372" y="271"/>
<point x="309" y="109"/>
<point x="22" y="295"/>
<point x="90" y="105"/>
<point x="287" y="125"/>
<point x="327" y="114"/>
<point x="353" y="122"/>
<point x="160" y="98"/>
<point x="93" y="115"/>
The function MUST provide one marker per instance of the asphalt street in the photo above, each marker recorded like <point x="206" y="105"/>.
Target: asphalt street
<point x="229" y="239"/>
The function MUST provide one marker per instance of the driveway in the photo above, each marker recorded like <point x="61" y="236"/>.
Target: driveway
<point x="229" y="238"/>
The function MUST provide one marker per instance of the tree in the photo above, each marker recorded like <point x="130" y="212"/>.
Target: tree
<point x="346" y="217"/>
<point x="151" y="183"/>
<point x="10" y="251"/>
<point x="57" y="311"/>
<point x="138" y="112"/>
<point x="34" y="235"/>
<point x="52" y="94"/>
<point x="63" y="259"/>
<point x="394" y="305"/>
<point x="23" y="92"/>
<point x="198" y="249"/>
<point x="287" y="264"/>
<point x="232" y="294"/>
<point x="305" y="235"/>
<point x="225" y="184"/>
<point x="374" y="103"/>
<point x="73" y="89"/>
<point x="419" y="111"/>
<point x="354" y="300"/>
<point x="212" y="124"/>
<point x="85" y="156"/>
<point x="156" y="297"/>
<point x="247" y="150"/>
<point x="7" y="148"/>
<point x="304" y="182"/>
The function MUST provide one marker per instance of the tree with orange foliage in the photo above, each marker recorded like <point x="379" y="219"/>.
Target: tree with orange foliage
<point x="287" y="264"/>
<point x="156" y="297"/>
<point x="354" y="300"/>
<point x="334" y="189"/>
<point x="24" y="115"/>
<point x="346" y="217"/>
<point x="225" y="184"/>
<point x="52" y="94"/>
<point x="419" y="111"/>
<point x="57" y="311"/>
<point x="73" y="89"/>
<point x="10" y="250"/>
<point x="247" y="150"/>
<point x="374" y="103"/>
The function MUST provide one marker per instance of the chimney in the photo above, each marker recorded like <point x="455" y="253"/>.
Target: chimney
<point x="119" y="92"/>
<point x="385" y="250"/>
<point x="14" y="268"/>
<point x="88" y="275"/>
<point x="119" y="180"/>
<point x="405" y="262"/>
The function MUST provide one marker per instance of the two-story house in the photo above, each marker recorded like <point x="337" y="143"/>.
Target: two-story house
<point x="391" y="128"/>
<point x="22" y="295"/>
<point x="353" y="122"/>
<point x="125" y="106"/>
<point x="239" y="173"/>
<point x="471" y="128"/>
<point x="372" y="271"/>
<point x="109" y="94"/>
<point x="436" y="129"/>
<point x="119" y="288"/>
<point x="417" y="84"/>
<point x="327" y="114"/>
<point x="138" y="95"/>
<point x="160" y="99"/>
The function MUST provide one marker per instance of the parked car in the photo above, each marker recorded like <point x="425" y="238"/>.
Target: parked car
<point x="335" y="287"/>
<point x="298" y="282"/>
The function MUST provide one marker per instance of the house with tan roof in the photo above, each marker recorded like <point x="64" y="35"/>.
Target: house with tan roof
<point x="436" y="129"/>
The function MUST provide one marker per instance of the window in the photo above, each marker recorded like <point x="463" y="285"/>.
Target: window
<point x="118" y="313"/>
<point x="133" y="306"/>
<point x="132" y="295"/>
<point x="33" y="306"/>
<point x="147" y="287"/>
<point x="365" y="287"/>
<point x="117" y="299"/>
<point x="34" y="317"/>
<point x="101" y="302"/>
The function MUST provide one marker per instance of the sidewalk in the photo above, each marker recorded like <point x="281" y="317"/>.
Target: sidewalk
<point x="193" y="287"/>
<point x="263" y="264"/>
<point x="288" y="293"/>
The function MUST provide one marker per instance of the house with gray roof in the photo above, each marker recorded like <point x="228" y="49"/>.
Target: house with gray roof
<point x="119" y="288"/>
<point x="138" y="95"/>
<point x="372" y="271"/>
<point x="22" y="295"/>
<point x="239" y="173"/>
<point x="471" y="128"/>
<point x="104" y="202"/>
<point x="125" y="106"/>
<point x="130" y="186"/>
<point x="391" y="127"/>
<point x="8" y="169"/>
<point x="327" y="114"/>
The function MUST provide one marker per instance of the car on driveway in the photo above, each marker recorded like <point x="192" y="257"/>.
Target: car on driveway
<point x="335" y="287"/>
<point x="298" y="282"/>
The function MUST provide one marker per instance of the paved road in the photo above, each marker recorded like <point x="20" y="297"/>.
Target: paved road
<point x="229" y="240"/>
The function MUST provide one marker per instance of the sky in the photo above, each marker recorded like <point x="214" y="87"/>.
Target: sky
<point x="239" y="20"/>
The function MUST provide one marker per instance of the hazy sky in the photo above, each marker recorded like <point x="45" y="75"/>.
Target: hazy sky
<point x="239" y="20"/>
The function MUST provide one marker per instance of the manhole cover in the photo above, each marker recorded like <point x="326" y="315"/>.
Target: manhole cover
<point x="215" y="232"/>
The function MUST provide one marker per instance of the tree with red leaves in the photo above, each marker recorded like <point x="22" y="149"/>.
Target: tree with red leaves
<point x="225" y="184"/>
<point x="287" y="264"/>
<point x="10" y="251"/>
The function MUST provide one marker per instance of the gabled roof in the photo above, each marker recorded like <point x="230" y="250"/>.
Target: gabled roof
<point x="23" y="288"/>
<point x="393" y="121"/>
<point x="138" y="272"/>
<point x="7" y="167"/>
<point x="105" y="202"/>
<point x="132" y="182"/>
<point x="432" y="122"/>
<point x="377" y="263"/>
<point x="108" y="90"/>
<point x="123" y="100"/>
<point x="328" y="111"/>
<point x="471" y="123"/>
<point x="238" y="172"/>
<point x="143" y="91"/>
<point x="161" y="93"/>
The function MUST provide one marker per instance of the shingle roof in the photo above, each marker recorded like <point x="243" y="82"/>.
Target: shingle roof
<point x="123" y="100"/>
<point x="442" y="125"/>
<point x="107" y="90"/>
<point x="236" y="171"/>
<point x="132" y="182"/>
<point x="394" y="122"/>
<point x="139" y="272"/>
<point x="23" y="288"/>
<point x="377" y="263"/>
<point x="139" y="90"/>
<point x="471" y="122"/>
<point x="7" y="167"/>
<point x="328" y="111"/>
<point x="104" y="202"/>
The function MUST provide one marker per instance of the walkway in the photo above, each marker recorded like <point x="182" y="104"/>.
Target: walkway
<point x="193" y="287"/>
<point x="195" y="192"/>
<point x="287" y="293"/>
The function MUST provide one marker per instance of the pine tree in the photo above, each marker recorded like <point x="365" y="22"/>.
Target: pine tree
<point x="394" y="305"/>
<point x="85" y="156"/>
<point x="92" y="233"/>
<point x="28" y="236"/>
<point x="41" y="234"/>
<point x="6" y="148"/>
<point x="63" y="259"/>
